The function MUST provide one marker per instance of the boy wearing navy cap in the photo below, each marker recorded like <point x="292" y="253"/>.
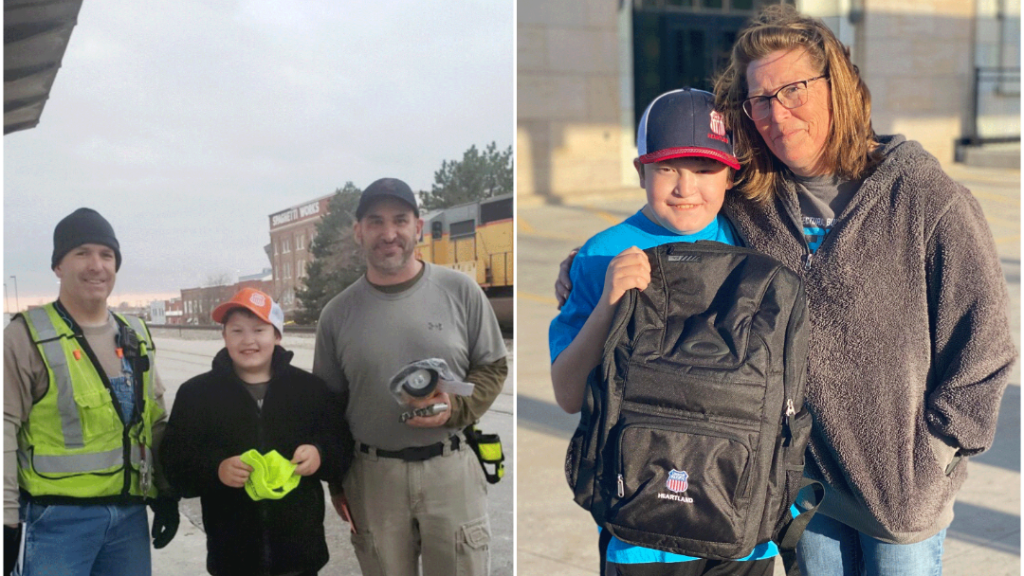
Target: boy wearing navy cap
<point x="685" y="163"/>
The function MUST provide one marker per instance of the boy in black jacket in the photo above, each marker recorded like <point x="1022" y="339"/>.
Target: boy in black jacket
<point x="253" y="399"/>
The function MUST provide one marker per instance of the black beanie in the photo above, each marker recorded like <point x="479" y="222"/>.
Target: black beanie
<point x="83" y="226"/>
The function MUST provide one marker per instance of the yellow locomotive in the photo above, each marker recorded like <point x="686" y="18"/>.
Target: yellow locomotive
<point x="475" y="239"/>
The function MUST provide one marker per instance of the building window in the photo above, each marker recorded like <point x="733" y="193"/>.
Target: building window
<point x="300" y="269"/>
<point x="684" y="43"/>
<point x="286" y="245"/>
<point x="300" y="242"/>
<point x="287" y="271"/>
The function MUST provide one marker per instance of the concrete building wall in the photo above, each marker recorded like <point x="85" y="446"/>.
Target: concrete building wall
<point x="574" y="122"/>
<point x="569" y="134"/>
<point x="916" y="58"/>
<point x="157" y="312"/>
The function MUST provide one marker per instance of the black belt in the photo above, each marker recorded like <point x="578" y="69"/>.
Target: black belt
<point x="414" y="453"/>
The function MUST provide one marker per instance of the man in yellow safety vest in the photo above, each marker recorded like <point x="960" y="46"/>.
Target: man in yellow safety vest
<point x="83" y="414"/>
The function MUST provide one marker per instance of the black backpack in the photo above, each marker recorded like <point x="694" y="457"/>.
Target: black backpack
<point x="693" y="429"/>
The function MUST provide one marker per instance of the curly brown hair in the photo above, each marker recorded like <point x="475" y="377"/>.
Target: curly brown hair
<point x="851" y="149"/>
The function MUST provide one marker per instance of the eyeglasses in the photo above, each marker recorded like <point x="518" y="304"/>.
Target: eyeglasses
<point x="791" y="96"/>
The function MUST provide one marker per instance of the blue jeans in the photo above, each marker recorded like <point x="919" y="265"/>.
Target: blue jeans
<point x="68" y="540"/>
<point x="830" y="548"/>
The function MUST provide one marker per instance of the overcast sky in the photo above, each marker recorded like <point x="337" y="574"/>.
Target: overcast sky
<point x="187" y="123"/>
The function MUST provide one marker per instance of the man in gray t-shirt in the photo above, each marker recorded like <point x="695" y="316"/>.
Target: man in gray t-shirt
<point x="414" y="487"/>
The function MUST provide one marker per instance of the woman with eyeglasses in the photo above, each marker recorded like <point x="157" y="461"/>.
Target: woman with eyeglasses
<point x="910" y="347"/>
<point x="910" y="343"/>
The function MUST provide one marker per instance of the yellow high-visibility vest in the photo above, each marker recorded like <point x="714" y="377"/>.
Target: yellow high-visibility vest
<point x="74" y="444"/>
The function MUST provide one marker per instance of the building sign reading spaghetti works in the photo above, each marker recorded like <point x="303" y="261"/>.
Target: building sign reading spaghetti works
<point x="301" y="213"/>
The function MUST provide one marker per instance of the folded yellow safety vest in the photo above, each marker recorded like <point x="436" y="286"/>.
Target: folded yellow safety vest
<point x="272" y="477"/>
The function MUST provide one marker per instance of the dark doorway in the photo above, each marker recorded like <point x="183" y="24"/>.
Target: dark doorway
<point x="678" y="43"/>
<point x="673" y="50"/>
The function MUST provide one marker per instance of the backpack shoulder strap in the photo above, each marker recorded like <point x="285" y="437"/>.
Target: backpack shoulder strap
<point x="791" y="533"/>
<point x="602" y="547"/>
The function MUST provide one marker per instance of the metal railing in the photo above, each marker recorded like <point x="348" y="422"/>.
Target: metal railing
<point x="989" y="82"/>
<point x="500" y="261"/>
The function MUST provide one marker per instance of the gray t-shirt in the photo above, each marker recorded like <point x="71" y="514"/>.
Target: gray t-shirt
<point x="822" y="199"/>
<point x="258" y="391"/>
<point x="365" y="336"/>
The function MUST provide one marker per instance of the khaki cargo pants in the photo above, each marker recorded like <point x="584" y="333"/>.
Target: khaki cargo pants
<point x="436" y="509"/>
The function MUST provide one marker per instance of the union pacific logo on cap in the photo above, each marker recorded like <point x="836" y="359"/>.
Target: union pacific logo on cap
<point x="684" y="123"/>
<point x="260" y="304"/>
<point x="258" y="299"/>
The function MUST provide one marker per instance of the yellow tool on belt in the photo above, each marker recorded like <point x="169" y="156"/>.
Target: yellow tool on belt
<point x="488" y="451"/>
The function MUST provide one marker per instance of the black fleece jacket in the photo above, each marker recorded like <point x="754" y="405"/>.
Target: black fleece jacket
<point x="910" y="346"/>
<point x="214" y="418"/>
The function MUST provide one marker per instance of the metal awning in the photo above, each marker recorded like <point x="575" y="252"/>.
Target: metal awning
<point x="36" y="34"/>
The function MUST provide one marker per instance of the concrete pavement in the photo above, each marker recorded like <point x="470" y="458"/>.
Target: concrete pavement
<point x="557" y="537"/>
<point x="184" y="354"/>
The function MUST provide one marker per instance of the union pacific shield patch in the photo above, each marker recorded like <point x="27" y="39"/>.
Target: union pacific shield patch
<point x="677" y="481"/>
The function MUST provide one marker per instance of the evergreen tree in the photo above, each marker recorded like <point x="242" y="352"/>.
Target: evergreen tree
<point x="477" y="176"/>
<point x="337" y="259"/>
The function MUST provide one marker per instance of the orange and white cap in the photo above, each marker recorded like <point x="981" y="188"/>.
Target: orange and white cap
<point x="258" y="303"/>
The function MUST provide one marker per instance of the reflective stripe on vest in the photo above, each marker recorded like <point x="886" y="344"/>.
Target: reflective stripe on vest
<point x="78" y="463"/>
<point x="70" y="424"/>
<point x="82" y="463"/>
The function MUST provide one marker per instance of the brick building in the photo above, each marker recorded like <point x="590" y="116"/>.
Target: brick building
<point x="197" y="304"/>
<point x="291" y="232"/>
<point x="173" y="311"/>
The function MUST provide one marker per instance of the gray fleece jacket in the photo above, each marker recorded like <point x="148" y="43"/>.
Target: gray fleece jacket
<point x="910" y="340"/>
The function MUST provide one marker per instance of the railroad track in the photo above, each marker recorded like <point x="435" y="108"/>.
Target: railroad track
<point x="165" y="354"/>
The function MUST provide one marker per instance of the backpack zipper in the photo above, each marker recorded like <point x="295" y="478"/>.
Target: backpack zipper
<point x="790" y="411"/>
